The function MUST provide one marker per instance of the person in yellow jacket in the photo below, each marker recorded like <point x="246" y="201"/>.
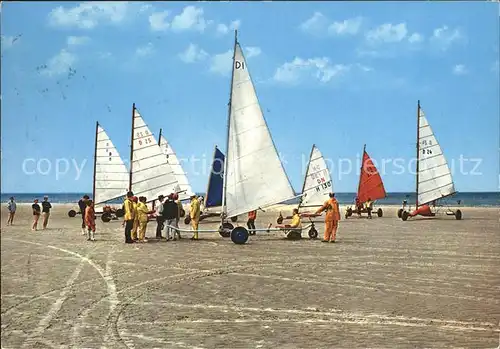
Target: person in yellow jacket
<point x="194" y="213"/>
<point x="129" y="217"/>
<point x="142" y="217"/>
<point x="136" y="219"/>
<point x="332" y="218"/>
<point x="295" y="223"/>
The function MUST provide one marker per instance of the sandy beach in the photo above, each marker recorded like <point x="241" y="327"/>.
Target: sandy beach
<point x="432" y="283"/>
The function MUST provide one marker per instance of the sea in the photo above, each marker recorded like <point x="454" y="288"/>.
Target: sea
<point x="470" y="199"/>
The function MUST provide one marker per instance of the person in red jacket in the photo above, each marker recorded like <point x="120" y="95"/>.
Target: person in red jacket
<point x="252" y="216"/>
<point x="90" y="220"/>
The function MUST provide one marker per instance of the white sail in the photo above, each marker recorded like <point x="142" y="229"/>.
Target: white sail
<point x="111" y="174"/>
<point x="254" y="176"/>
<point x="317" y="183"/>
<point x="151" y="173"/>
<point x="179" y="173"/>
<point x="434" y="176"/>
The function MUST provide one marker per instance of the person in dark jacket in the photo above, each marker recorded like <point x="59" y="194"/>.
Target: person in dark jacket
<point x="46" y="206"/>
<point x="171" y="215"/>
<point x="82" y="204"/>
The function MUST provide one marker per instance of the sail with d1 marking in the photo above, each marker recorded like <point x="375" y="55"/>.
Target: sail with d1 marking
<point x="174" y="163"/>
<point x="433" y="177"/>
<point x="317" y="182"/>
<point x="150" y="173"/>
<point x="254" y="176"/>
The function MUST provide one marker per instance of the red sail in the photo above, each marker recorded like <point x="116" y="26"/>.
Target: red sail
<point x="370" y="182"/>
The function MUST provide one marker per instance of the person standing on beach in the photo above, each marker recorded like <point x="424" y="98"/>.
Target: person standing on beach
<point x="369" y="207"/>
<point x="135" y="227"/>
<point x="90" y="220"/>
<point x="252" y="216"/>
<point x="11" y="205"/>
<point x="160" y="221"/>
<point x="332" y="218"/>
<point x="46" y="206"/>
<point x="170" y="214"/>
<point x="180" y="213"/>
<point x="142" y="218"/>
<point x="194" y="213"/>
<point x="36" y="214"/>
<point x="129" y="217"/>
<point x="82" y="204"/>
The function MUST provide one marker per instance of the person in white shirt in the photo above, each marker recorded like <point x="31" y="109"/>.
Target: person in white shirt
<point x="11" y="205"/>
<point x="160" y="220"/>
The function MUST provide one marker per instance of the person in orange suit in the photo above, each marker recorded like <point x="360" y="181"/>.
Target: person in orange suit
<point x="332" y="218"/>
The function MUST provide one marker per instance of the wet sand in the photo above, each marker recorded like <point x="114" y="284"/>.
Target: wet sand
<point x="432" y="283"/>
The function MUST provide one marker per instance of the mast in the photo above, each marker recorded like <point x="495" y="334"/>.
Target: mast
<point x="418" y="152"/>
<point x="95" y="160"/>
<point x="159" y="138"/>
<point x="228" y="126"/>
<point x="131" y="148"/>
<point x="361" y="170"/>
<point x="307" y="172"/>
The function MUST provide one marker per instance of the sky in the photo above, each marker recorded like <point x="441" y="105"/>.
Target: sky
<point x="336" y="74"/>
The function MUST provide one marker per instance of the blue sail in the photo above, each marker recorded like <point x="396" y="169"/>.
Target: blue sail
<point x="215" y="182"/>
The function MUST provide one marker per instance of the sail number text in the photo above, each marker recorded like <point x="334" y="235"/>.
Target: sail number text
<point x="239" y="65"/>
<point x="144" y="141"/>
<point x="424" y="143"/>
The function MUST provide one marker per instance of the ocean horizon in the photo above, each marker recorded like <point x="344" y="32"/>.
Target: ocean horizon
<point x="469" y="199"/>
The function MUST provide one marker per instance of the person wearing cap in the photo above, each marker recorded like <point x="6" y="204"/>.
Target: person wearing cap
<point x="46" y="206"/>
<point x="194" y="213"/>
<point x="11" y="205"/>
<point x="160" y="221"/>
<point x="129" y="217"/>
<point x="136" y="218"/>
<point x="332" y="218"/>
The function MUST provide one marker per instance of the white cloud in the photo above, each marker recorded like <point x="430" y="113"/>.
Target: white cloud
<point x="59" y="64"/>
<point x="191" y="18"/>
<point x="316" y="68"/>
<point x="158" y="22"/>
<point x="253" y="51"/>
<point x="459" y="69"/>
<point x="224" y="29"/>
<point x="88" y="15"/>
<point x="145" y="50"/>
<point x="387" y="32"/>
<point x="315" y="24"/>
<point x="77" y="40"/>
<point x="9" y="41"/>
<point x="415" y="38"/>
<point x="222" y="63"/>
<point x="346" y="27"/>
<point x="444" y="37"/>
<point x="193" y="54"/>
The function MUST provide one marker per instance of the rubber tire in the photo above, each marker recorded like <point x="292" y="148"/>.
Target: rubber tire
<point x="313" y="233"/>
<point x="234" y="219"/>
<point x="348" y="213"/>
<point x="294" y="235"/>
<point x="106" y="217"/>
<point x="119" y="213"/>
<point x="239" y="235"/>
<point x="380" y="213"/>
<point x="400" y="213"/>
<point x="187" y="220"/>
<point x="405" y="215"/>
<point x="458" y="215"/>
<point x="182" y="213"/>
<point x="224" y="233"/>
<point x="72" y="213"/>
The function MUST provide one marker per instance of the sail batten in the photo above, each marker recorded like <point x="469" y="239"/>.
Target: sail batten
<point x="180" y="175"/>
<point x="151" y="173"/>
<point x="434" y="175"/>
<point x="317" y="182"/>
<point x="371" y="186"/>
<point x="111" y="175"/>
<point x="254" y="176"/>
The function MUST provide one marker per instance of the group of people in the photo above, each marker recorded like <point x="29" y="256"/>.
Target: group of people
<point x="368" y="205"/>
<point x="43" y="210"/>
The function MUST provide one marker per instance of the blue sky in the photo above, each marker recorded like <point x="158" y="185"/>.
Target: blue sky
<point x="338" y="74"/>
